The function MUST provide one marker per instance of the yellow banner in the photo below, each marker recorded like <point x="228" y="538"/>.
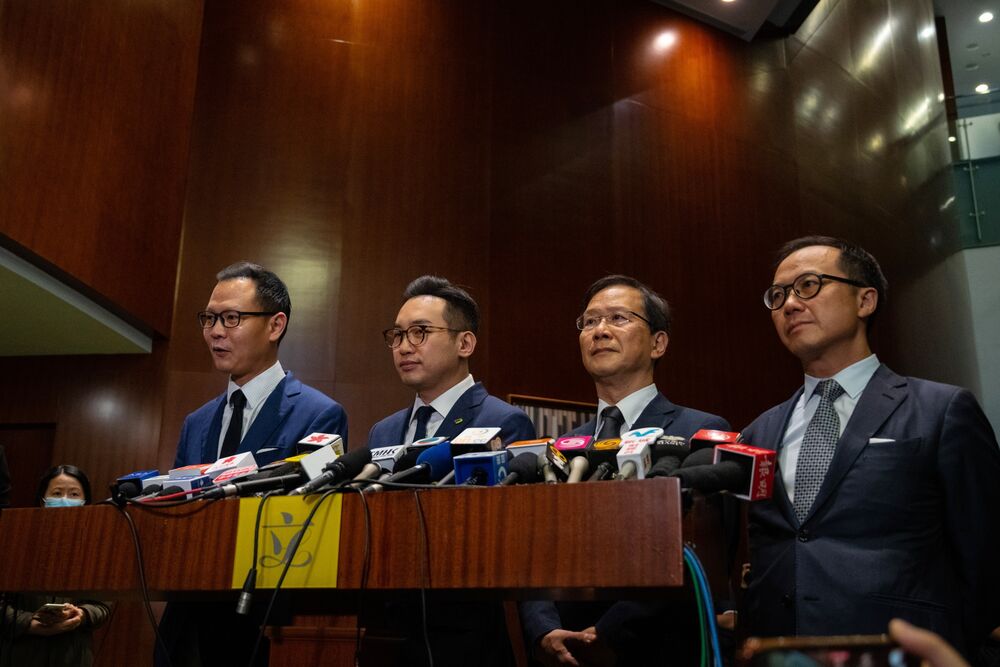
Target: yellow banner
<point x="314" y="564"/>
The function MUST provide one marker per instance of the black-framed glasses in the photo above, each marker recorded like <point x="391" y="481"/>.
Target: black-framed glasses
<point x="229" y="318"/>
<point x="416" y="334"/>
<point x="618" y="319"/>
<point x="806" y="286"/>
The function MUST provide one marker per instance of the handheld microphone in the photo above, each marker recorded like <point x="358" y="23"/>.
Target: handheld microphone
<point x="745" y="471"/>
<point x="536" y="446"/>
<point x="634" y="459"/>
<point x="603" y="451"/>
<point x="603" y="471"/>
<point x="432" y="464"/>
<point x="480" y="468"/>
<point x="710" y="437"/>
<point x="252" y="486"/>
<point x="573" y="445"/>
<point x="342" y="468"/>
<point x="477" y="439"/>
<point x="523" y="469"/>
<point x="669" y="452"/>
<point x="578" y="467"/>
<point x="388" y="457"/>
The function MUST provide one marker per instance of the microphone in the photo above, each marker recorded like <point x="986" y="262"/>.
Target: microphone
<point x="480" y="468"/>
<point x="432" y="464"/>
<point x="148" y="491"/>
<point x="710" y="437"/>
<point x="537" y="446"/>
<point x="523" y="469"/>
<point x="669" y="452"/>
<point x="130" y="485"/>
<point x="251" y="486"/>
<point x="558" y="466"/>
<point x="603" y="451"/>
<point x="745" y="471"/>
<point x="603" y="471"/>
<point x="315" y="441"/>
<point x="477" y="439"/>
<point x="342" y="468"/>
<point x="573" y="445"/>
<point x="388" y="457"/>
<point x="634" y="458"/>
<point x="578" y="467"/>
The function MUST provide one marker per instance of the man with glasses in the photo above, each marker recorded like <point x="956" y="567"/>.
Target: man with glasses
<point x="264" y="410"/>
<point x="431" y="341"/>
<point x="887" y="484"/>
<point x="624" y="331"/>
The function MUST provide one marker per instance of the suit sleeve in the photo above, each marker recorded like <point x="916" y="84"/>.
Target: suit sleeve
<point x="182" y="457"/>
<point x="969" y="464"/>
<point x="517" y="427"/>
<point x="538" y="618"/>
<point x="331" y="420"/>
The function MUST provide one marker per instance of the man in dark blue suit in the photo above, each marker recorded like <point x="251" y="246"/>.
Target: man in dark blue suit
<point x="432" y="340"/>
<point x="887" y="500"/>
<point x="624" y="332"/>
<point x="265" y="411"/>
<point x="433" y="337"/>
<point x="243" y="324"/>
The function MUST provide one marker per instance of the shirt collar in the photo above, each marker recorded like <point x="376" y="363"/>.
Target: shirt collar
<point x="446" y="401"/>
<point x="632" y="405"/>
<point x="853" y="379"/>
<point x="258" y="389"/>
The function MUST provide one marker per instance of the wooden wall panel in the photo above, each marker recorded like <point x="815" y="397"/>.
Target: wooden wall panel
<point x="96" y="102"/>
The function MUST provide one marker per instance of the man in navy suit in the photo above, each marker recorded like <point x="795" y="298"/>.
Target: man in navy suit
<point x="243" y="324"/>
<point x="265" y="411"/>
<point x="432" y="340"/>
<point x="624" y="332"/>
<point x="887" y="501"/>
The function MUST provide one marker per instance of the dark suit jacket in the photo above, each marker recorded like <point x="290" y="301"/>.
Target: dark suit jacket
<point x="474" y="408"/>
<point x="291" y="412"/>
<point x="908" y="528"/>
<point x="541" y="617"/>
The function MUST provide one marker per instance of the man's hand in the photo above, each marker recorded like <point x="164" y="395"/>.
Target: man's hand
<point x="47" y="625"/>
<point x="553" y="649"/>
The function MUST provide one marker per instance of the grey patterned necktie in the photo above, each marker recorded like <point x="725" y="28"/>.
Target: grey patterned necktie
<point x="818" y="446"/>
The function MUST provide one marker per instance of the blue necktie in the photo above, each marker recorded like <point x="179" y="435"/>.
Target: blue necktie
<point x="424" y="413"/>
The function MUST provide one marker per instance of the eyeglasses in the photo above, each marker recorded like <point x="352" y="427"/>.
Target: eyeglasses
<point x="229" y="318"/>
<point x="416" y="334"/>
<point x="805" y="286"/>
<point x="618" y="319"/>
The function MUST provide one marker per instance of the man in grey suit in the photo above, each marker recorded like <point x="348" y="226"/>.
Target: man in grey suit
<point x="624" y="332"/>
<point x="887" y="498"/>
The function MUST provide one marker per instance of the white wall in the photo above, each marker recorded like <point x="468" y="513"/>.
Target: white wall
<point x="982" y="267"/>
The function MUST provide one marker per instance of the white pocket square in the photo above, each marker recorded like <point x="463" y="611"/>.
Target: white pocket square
<point x="876" y="441"/>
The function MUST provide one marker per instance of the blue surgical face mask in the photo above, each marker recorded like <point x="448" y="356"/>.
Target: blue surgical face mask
<point x="63" y="502"/>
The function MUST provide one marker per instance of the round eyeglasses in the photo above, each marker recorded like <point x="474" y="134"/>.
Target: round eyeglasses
<point x="229" y="318"/>
<point x="805" y="286"/>
<point x="619" y="319"/>
<point x="416" y="334"/>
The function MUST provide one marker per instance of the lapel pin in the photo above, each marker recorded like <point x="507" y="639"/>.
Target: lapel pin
<point x="459" y="420"/>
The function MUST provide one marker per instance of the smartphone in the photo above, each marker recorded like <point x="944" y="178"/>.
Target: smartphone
<point x="842" y="651"/>
<point x="51" y="610"/>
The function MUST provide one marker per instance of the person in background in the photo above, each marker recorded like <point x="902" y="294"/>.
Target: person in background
<point x="46" y="630"/>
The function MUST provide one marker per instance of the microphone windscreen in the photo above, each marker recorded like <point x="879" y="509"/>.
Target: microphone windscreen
<point x="438" y="460"/>
<point x="408" y="459"/>
<point x="169" y="490"/>
<point x="129" y="489"/>
<point x="526" y="467"/>
<point x="723" y="476"/>
<point x="152" y="489"/>
<point x="671" y="445"/>
<point x="700" y="457"/>
<point x="352" y="462"/>
<point x="664" y="467"/>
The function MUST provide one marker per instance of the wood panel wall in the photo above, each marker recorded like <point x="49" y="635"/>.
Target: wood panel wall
<point x="519" y="148"/>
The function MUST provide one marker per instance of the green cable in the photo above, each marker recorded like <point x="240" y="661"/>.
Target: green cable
<point x="701" y="613"/>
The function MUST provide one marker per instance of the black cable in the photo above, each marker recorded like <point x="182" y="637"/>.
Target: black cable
<point x="426" y="576"/>
<point x="293" y="548"/>
<point x="140" y="565"/>
<point x="104" y="640"/>
<point x="365" y="572"/>
<point x="250" y="582"/>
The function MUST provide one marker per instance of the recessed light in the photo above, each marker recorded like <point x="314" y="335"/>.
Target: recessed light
<point x="986" y="17"/>
<point x="940" y="97"/>
<point x="735" y="0"/>
<point x="952" y="139"/>
<point x="972" y="46"/>
<point x="983" y="88"/>
<point x="971" y="66"/>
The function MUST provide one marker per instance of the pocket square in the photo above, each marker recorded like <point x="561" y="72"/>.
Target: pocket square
<point x="876" y="441"/>
<point x="265" y="450"/>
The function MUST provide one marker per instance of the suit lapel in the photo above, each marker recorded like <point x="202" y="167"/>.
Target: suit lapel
<point x="210" y="446"/>
<point x="272" y="414"/>
<point x="463" y="413"/>
<point x="883" y="395"/>
<point x="771" y="438"/>
<point x="659" y="413"/>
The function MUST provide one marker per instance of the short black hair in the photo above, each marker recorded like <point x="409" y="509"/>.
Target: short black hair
<point x="855" y="261"/>
<point x="461" y="311"/>
<point x="272" y="293"/>
<point x="656" y="307"/>
<point x="65" y="469"/>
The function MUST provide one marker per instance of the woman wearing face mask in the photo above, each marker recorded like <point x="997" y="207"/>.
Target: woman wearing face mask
<point x="45" y="630"/>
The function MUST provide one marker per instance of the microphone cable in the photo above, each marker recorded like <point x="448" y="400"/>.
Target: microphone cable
<point x="706" y="609"/>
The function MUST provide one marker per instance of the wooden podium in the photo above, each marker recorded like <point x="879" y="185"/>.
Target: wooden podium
<point x="607" y="540"/>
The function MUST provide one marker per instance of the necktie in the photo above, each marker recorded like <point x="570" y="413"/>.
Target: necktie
<point x="424" y="413"/>
<point x="818" y="446"/>
<point x="611" y="423"/>
<point x="235" y="431"/>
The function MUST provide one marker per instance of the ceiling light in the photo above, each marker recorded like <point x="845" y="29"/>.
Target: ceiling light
<point x="665" y="40"/>
<point x="986" y="17"/>
<point x="952" y="139"/>
<point x="983" y="88"/>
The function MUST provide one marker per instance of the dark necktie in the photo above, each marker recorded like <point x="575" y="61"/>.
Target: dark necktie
<point x="611" y="423"/>
<point x="424" y="413"/>
<point x="818" y="446"/>
<point x="235" y="431"/>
